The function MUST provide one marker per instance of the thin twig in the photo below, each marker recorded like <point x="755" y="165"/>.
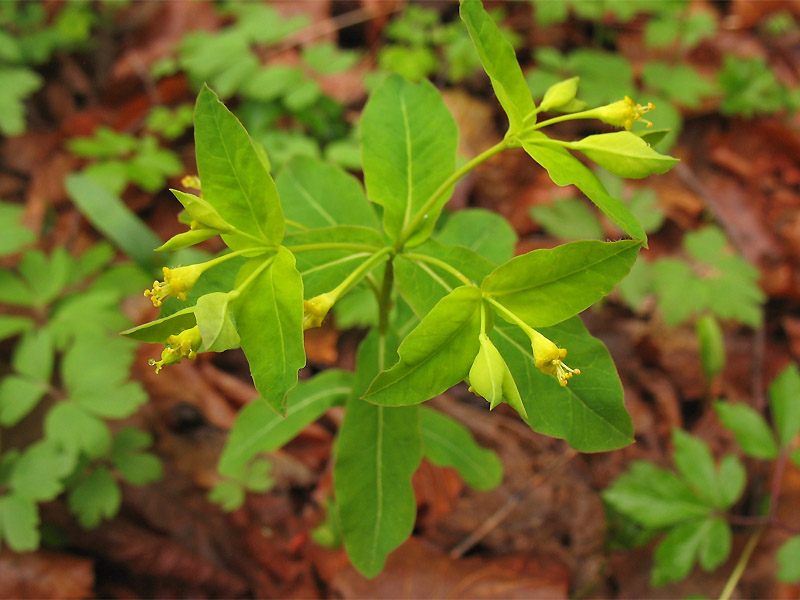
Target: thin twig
<point x="517" y="498"/>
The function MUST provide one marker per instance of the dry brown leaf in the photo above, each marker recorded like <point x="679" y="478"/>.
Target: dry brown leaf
<point x="45" y="574"/>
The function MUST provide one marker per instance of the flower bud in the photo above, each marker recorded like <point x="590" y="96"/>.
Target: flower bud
<point x="622" y="113"/>
<point x="548" y="358"/>
<point x="177" y="282"/>
<point x="316" y="309"/>
<point x="491" y="379"/>
<point x="179" y="346"/>
<point x="559" y="94"/>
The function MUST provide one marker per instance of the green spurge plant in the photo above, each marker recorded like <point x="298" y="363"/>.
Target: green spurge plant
<point x="300" y="243"/>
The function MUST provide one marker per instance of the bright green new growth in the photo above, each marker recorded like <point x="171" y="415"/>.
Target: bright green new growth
<point x="460" y="314"/>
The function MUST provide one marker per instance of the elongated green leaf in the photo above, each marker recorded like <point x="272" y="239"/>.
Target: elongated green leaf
<point x="108" y="213"/>
<point x="316" y="194"/>
<point x="500" y="63"/>
<point x="18" y="397"/>
<point x="565" y="169"/>
<point x="751" y="430"/>
<point x="269" y="320"/>
<point x="34" y="355"/>
<point x="322" y="270"/>
<point x="716" y="546"/>
<point x="377" y="452"/>
<point x="784" y="398"/>
<point x="423" y="284"/>
<point x="544" y="287"/>
<point x="213" y="315"/>
<point x="654" y="497"/>
<point x="712" y="345"/>
<point x="157" y="332"/>
<point x="235" y="181"/>
<point x="19" y="522"/>
<point x="259" y="429"/>
<point x="448" y="443"/>
<point x="731" y="477"/>
<point x="187" y="239"/>
<point x="589" y="412"/>
<point x="696" y="465"/>
<point x="409" y="141"/>
<point x="624" y="154"/>
<point x="201" y="211"/>
<point x="436" y="355"/>
<point x="482" y="231"/>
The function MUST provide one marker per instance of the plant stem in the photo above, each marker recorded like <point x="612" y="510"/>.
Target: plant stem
<point x="220" y="259"/>
<point x="256" y="272"/>
<point x="507" y="314"/>
<point x="410" y="228"/>
<point x="385" y="302"/>
<point x="741" y="564"/>
<point x="441" y="264"/>
<point x="356" y="276"/>
<point x="296" y="225"/>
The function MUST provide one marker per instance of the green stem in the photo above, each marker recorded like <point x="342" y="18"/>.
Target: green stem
<point x="332" y="246"/>
<point x="385" y="305"/>
<point x="507" y="314"/>
<point x="296" y="225"/>
<point x="741" y="564"/>
<point x="220" y="259"/>
<point x="410" y="228"/>
<point x="250" y="278"/>
<point x="585" y="114"/>
<point x="356" y="276"/>
<point x="441" y="264"/>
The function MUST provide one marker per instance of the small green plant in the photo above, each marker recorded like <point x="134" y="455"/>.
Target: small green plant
<point x="27" y="40"/>
<point x="65" y="312"/>
<point x="752" y="89"/>
<point x="695" y="507"/>
<point x="422" y="46"/>
<point x="301" y="243"/>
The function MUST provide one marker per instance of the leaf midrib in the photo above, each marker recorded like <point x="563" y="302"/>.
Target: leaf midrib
<point x="236" y="174"/>
<point x="559" y="278"/>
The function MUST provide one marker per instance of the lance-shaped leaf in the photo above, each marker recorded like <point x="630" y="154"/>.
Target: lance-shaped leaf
<point x="589" y="412"/>
<point x="423" y="284"/>
<point x="500" y="63"/>
<point x="436" y="355"/>
<point x="409" y="141"/>
<point x="377" y="452"/>
<point x="213" y="315"/>
<point x="624" y="154"/>
<point x="156" y="332"/>
<point x="201" y="211"/>
<point x="544" y="287"/>
<point x="235" y="181"/>
<point x="259" y="429"/>
<point x="316" y="194"/>
<point x="565" y="169"/>
<point x="322" y="270"/>
<point x="269" y="320"/>
<point x="186" y="239"/>
<point x="447" y="443"/>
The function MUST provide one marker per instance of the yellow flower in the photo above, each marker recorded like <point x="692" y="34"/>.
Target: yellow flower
<point x="316" y="309"/>
<point x="183" y="345"/>
<point x="177" y="282"/>
<point x="623" y="113"/>
<point x="549" y="358"/>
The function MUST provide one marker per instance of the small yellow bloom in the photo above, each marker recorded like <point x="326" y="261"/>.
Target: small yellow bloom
<point x="177" y="282"/>
<point x="315" y="310"/>
<point x="183" y="345"/>
<point x="623" y="113"/>
<point x="548" y="358"/>
<point x="191" y="181"/>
